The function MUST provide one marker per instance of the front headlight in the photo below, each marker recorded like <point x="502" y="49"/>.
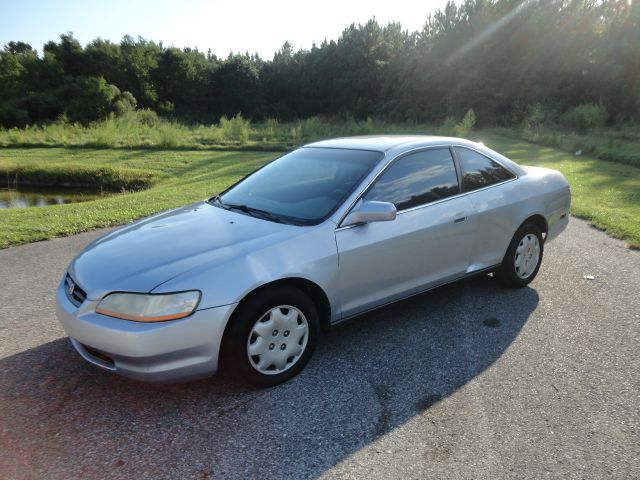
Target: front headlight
<point x="141" y="307"/>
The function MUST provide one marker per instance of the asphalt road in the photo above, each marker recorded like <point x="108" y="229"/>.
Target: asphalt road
<point x="468" y="381"/>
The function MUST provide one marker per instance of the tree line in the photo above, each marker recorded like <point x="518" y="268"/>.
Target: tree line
<point x="503" y="58"/>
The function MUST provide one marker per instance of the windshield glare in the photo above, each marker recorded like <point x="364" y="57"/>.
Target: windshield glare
<point x="306" y="185"/>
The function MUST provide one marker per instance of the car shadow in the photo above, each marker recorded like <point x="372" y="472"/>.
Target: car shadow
<point x="65" y="418"/>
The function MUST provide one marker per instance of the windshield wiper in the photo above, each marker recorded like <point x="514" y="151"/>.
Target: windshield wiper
<point x="215" y="199"/>
<point x="254" y="212"/>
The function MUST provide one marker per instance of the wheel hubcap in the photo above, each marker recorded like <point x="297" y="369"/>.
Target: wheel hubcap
<point x="277" y="340"/>
<point x="527" y="256"/>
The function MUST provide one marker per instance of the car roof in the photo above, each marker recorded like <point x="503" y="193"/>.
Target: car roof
<point x="383" y="143"/>
<point x="392" y="145"/>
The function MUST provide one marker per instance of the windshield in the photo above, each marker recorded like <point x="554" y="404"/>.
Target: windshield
<point x="302" y="187"/>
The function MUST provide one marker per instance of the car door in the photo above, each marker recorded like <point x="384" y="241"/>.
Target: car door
<point x="428" y="243"/>
<point x="489" y="187"/>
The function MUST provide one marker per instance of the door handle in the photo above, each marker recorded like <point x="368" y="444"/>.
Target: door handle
<point x="459" y="219"/>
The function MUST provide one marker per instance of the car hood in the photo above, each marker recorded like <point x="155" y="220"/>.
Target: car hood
<point x="149" y="252"/>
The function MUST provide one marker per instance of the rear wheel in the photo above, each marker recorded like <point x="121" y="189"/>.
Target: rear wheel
<point x="272" y="336"/>
<point x="523" y="258"/>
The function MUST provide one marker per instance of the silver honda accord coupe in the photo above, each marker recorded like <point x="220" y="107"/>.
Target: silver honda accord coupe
<point x="247" y="279"/>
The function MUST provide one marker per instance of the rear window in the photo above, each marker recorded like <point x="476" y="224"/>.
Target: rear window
<point x="479" y="171"/>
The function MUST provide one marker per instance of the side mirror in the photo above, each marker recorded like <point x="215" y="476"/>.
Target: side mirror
<point x="367" y="212"/>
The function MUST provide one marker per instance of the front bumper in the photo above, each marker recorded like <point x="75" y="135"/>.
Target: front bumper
<point x="172" y="351"/>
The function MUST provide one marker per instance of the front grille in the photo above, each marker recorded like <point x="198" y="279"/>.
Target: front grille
<point x="75" y="294"/>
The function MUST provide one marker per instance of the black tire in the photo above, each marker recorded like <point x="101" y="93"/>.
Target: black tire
<point x="508" y="273"/>
<point x="258" y="307"/>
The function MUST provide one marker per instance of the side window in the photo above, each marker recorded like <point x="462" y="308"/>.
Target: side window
<point x="479" y="171"/>
<point x="416" y="179"/>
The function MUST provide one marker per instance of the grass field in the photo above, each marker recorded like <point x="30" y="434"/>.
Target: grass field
<point x="621" y="144"/>
<point x="179" y="177"/>
<point x="606" y="193"/>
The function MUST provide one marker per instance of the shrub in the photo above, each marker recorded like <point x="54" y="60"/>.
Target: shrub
<point x="351" y="127"/>
<point x="91" y="98"/>
<point x="146" y="116"/>
<point x="235" y="129"/>
<point x="12" y="115"/>
<point x="105" y="134"/>
<point x="296" y="133"/>
<point x="464" y="128"/>
<point x="313" y="128"/>
<point x="367" y="127"/>
<point x="124" y="103"/>
<point x="209" y="135"/>
<point x="168" y="136"/>
<point x="586" y="115"/>
<point x="448" y="126"/>
<point x="539" y="115"/>
<point x="270" y="129"/>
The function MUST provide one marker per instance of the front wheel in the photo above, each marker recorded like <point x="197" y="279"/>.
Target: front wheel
<point x="523" y="258"/>
<point x="272" y="336"/>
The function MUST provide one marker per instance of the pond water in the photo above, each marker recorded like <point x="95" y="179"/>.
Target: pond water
<point x="32" y="197"/>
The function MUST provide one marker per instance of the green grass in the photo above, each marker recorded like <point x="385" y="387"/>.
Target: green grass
<point x="180" y="177"/>
<point x="621" y="145"/>
<point x="605" y="193"/>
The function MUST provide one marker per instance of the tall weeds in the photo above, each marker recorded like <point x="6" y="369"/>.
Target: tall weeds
<point x="144" y="129"/>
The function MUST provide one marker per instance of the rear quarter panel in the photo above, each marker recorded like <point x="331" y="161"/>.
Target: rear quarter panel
<point x="502" y="210"/>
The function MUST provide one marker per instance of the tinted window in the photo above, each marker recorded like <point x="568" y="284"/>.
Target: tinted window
<point x="417" y="179"/>
<point x="304" y="186"/>
<point x="479" y="171"/>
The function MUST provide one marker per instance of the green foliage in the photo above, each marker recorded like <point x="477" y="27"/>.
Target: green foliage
<point x="584" y="116"/>
<point x="368" y="127"/>
<point x="92" y="98"/>
<point x="168" y="136"/>
<point x="144" y="129"/>
<point x="146" y="117"/>
<point x="270" y="129"/>
<point x="10" y="114"/>
<point x="314" y="128"/>
<point x="448" y="127"/>
<point x="464" y="128"/>
<point x="124" y="103"/>
<point x="235" y="129"/>
<point x="509" y="61"/>
<point x="296" y="133"/>
<point x="539" y="115"/>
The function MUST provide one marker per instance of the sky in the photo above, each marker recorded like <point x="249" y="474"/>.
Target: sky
<point x="220" y="25"/>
